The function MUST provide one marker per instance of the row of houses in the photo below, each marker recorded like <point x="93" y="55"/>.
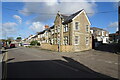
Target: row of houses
<point x="70" y="33"/>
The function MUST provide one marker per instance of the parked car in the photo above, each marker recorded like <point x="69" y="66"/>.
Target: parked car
<point x="12" y="45"/>
<point x="1" y="45"/>
<point x="26" y="44"/>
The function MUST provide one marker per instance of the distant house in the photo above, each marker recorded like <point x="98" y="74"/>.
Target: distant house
<point x="99" y="35"/>
<point x="114" y="37"/>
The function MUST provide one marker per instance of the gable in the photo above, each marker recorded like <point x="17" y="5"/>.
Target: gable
<point x="85" y="16"/>
<point x="57" y="19"/>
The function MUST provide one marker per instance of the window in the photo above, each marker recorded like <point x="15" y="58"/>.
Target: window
<point x="103" y="33"/>
<point x="55" y="40"/>
<point x="87" y="40"/>
<point x="38" y="36"/>
<point x="76" y="25"/>
<point x="55" y="29"/>
<point x="58" y="28"/>
<point x="66" y="40"/>
<point x="46" y="41"/>
<point x="46" y="33"/>
<point x="62" y="21"/>
<point x="52" y="31"/>
<point x="98" y="32"/>
<point x="51" y="41"/>
<point x="76" y="40"/>
<point x="66" y="28"/>
<point x="87" y="28"/>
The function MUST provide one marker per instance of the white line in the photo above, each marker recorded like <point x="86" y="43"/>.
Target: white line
<point x="65" y="66"/>
<point x="108" y="61"/>
<point x="116" y="63"/>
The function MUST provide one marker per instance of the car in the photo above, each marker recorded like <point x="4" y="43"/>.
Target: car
<point x="12" y="45"/>
<point x="1" y="45"/>
<point x="26" y="44"/>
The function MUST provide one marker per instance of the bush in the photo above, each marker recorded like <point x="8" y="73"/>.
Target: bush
<point x="38" y="44"/>
<point x="33" y="43"/>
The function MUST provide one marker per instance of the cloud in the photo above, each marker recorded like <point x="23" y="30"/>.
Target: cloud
<point x="18" y="18"/>
<point x="37" y="26"/>
<point x="48" y="10"/>
<point x="112" y="27"/>
<point x="27" y="22"/>
<point x="9" y="28"/>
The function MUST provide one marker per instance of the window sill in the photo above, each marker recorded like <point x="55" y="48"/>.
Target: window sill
<point x="65" y="31"/>
<point x="77" y="30"/>
<point x="76" y="44"/>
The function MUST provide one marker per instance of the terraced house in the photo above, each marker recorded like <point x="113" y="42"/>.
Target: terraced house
<point x="68" y="34"/>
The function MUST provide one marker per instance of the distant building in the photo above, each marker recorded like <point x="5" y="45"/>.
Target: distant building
<point x="99" y="36"/>
<point x="114" y="37"/>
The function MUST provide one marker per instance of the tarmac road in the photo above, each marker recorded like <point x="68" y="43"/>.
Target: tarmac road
<point x="33" y="63"/>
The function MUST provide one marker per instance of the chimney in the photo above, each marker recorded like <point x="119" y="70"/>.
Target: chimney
<point x="46" y="26"/>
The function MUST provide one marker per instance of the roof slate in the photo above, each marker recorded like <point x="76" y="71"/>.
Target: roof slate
<point x="69" y="18"/>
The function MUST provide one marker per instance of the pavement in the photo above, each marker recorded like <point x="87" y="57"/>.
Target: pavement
<point x="1" y="64"/>
<point x="37" y="63"/>
<point x="3" y="58"/>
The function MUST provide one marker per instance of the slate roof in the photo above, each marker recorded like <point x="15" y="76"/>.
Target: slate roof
<point x="68" y="19"/>
<point x="41" y="32"/>
<point x="52" y="27"/>
<point x="64" y="16"/>
<point x="46" y="30"/>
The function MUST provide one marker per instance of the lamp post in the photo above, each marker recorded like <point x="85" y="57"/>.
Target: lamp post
<point x="58" y="42"/>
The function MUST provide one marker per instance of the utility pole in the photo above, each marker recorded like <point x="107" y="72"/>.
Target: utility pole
<point x="59" y="42"/>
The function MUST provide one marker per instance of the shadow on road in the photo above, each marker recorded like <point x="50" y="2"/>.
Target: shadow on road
<point x="51" y="69"/>
<point x="10" y="59"/>
<point x="112" y="48"/>
<point x="4" y="51"/>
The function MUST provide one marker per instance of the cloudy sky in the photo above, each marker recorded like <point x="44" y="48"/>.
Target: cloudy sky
<point x="26" y="18"/>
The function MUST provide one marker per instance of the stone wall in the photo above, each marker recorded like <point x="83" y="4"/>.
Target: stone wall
<point x="63" y="48"/>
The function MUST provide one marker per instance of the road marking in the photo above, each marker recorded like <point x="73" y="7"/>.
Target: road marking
<point x="65" y="66"/>
<point x="116" y="63"/>
<point x="108" y="61"/>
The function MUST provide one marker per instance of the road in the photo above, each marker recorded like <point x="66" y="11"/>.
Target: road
<point x="34" y="63"/>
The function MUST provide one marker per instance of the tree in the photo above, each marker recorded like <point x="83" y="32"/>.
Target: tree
<point x="33" y="43"/>
<point x="19" y="38"/>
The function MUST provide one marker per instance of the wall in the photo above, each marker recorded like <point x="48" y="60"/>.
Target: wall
<point x="82" y="33"/>
<point x="63" y="48"/>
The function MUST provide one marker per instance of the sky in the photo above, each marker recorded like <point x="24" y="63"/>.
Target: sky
<point x="28" y="18"/>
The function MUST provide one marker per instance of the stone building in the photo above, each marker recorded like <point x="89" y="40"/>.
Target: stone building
<point x="68" y="34"/>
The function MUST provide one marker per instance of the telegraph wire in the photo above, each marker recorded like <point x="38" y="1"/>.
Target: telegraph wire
<point x="55" y="13"/>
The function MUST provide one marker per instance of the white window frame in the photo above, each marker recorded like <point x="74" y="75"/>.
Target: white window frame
<point x="86" y="40"/>
<point x="52" y="31"/>
<point x="58" y="29"/>
<point x="38" y="36"/>
<point x="65" y="27"/>
<point x="87" y="28"/>
<point x="55" y="40"/>
<point x="99" y="32"/>
<point x="75" y="41"/>
<point x="46" y="33"/>
<point x="55" y="29"/>
<point x="65" y="40"/>
<point x="103" y="33"/>
<point x="78" y="25"/>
